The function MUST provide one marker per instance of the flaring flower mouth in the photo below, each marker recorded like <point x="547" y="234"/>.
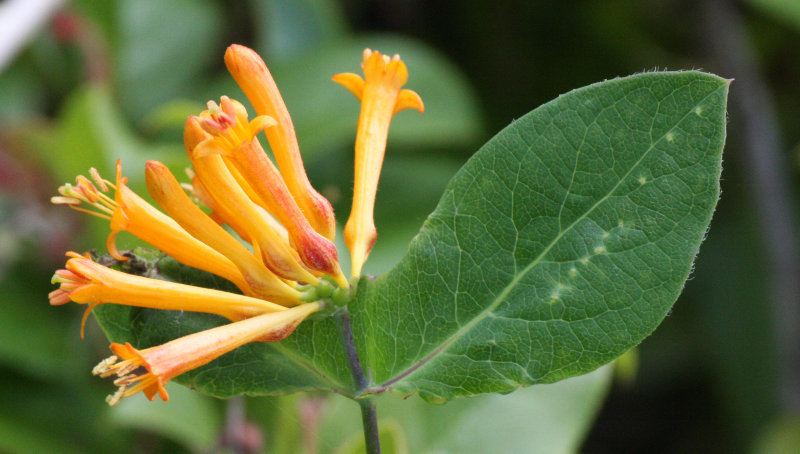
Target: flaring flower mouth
<point x="382" y="96"/>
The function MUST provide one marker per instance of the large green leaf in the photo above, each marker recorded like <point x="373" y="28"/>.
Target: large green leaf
<point x="560" y="245"/>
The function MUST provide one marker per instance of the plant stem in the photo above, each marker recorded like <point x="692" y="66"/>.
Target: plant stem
<point x="369" y="416"/>
<point x="369" y="413"/>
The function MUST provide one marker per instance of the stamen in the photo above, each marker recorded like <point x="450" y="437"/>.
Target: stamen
<point x="98" y="179"/>
<point x="130" y="367"/>
<point x="113" y="399"/>
<point x="93" y="213"/>
<point x="86" y="192"/>
<point x="145" y="381"/>
<point x="87" y="188"/>
<point x="104" y="365"/>
<point x="64" y="200"/>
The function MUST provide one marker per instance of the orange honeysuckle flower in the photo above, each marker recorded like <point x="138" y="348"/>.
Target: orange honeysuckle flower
<point x="289" y="225"/>
<point x="167" y="192"/>
<point x="87" y="282"/>
<point x="150" y="369"/>
<point x="129" y="212"/>
<point x="255" y="80"/>
<point x="276" y="250"/>
<point x="232" y="136"/>
<point x="220" y="215"/>
<point x="381" y="95"/>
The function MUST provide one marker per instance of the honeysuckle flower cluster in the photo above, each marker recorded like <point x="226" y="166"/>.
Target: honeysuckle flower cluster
<point x="289" y="260"/>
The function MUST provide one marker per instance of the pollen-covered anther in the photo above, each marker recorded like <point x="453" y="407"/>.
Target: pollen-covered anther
<point x="104" y="365"/>
<point x="85" y="193"/>
<point x="219" y="119"/>
<point x="132" y="375"/>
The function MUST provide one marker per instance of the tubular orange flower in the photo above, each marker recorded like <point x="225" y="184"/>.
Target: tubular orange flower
<point x="129" y="212"/>
<point x="288" y="224"/>
<point x="255" y="80"/>
<point x="149" y="370"/>
<point x="381" y="96"/>
<point x="276" y="251"/>
<point x="232" y="136"/>
<point x="87" y="282"/>
<point x="167" y="192"/>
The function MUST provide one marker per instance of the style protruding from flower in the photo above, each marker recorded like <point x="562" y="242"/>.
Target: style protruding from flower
<point x="284" y="262"/>
<point x="382" y="96"/>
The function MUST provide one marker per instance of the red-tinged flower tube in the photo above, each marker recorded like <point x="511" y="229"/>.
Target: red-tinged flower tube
<point x="381" y="96"/>
<point x="150" y="369"/>
<point x="232" y="136"/>
<point x="255" y="80"/>
<point x="215" y="176"/>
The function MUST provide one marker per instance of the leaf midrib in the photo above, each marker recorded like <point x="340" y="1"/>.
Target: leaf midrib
<point x="512" y="284"/>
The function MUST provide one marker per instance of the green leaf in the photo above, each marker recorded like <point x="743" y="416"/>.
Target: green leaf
<point x="24" y="314"/>
<point x="92" y="131"/>
<point x="16" y="436"/>
<point x="782" y="436"/>
<point x="787" y="11"/>
<point x="559" y="246"/>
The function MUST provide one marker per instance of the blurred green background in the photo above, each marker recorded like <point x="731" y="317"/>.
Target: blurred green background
<point x="92" y="82"/>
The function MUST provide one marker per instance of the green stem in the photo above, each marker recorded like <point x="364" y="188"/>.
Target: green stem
<point x="369" y="416"/>
<point x="369" y="413"/>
